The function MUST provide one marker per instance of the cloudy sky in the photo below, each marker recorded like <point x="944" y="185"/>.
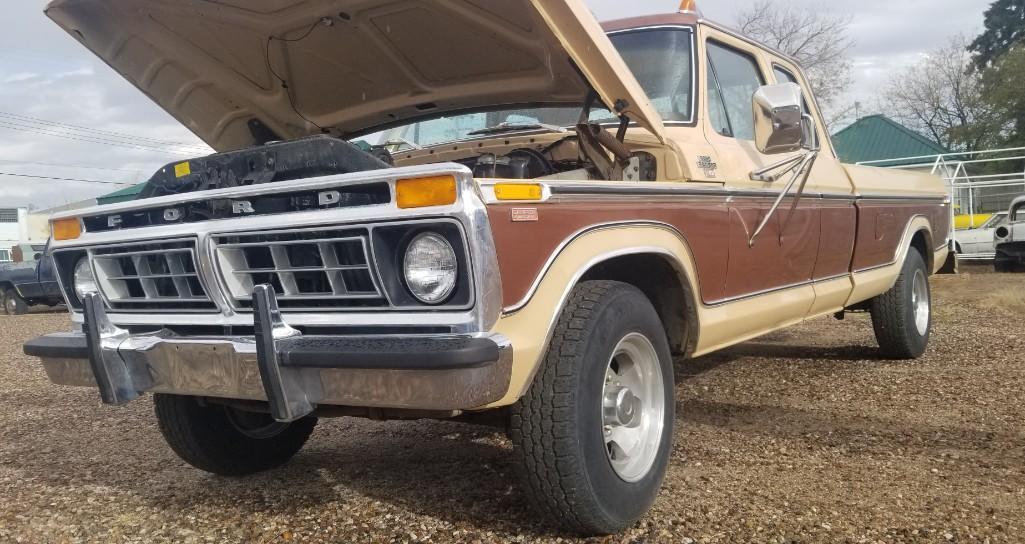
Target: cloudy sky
<point x="120" y="136"/>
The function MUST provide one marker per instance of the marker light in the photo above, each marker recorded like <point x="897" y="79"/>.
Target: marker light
<point x="518" y="191"/>
<point x="422" y="192"/>
<point x="66" y="229"/>
<point x="689" y="6"/>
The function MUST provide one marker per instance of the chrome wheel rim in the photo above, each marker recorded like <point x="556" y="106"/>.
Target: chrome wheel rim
<point x="10" y="305"/>
<point x="633" y="407"/>
<point x="920" y="302"/>
<point x="254" y="424"/>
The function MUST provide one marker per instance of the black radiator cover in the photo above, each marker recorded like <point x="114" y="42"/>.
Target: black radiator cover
<point x="294" y="159"/>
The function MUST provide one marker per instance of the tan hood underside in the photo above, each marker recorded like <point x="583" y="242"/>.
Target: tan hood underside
<point x="213" y="65"/>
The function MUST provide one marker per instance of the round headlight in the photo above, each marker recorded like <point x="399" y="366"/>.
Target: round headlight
<point x="83" y="279"/>
<point x="430" y="268"/>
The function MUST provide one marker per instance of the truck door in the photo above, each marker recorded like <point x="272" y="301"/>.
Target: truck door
<point x="832" y="193"/>
<point x="782" y="256"/>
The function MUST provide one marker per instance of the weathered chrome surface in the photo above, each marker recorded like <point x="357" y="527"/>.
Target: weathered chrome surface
<point x="226" y="367"/>
<point x="633" y="407"/>
<point x="469" y="210"/>
<point x="920" y="301"/>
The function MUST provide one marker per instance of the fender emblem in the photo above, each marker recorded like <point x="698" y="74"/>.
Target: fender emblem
<point x="524" y="214"/>
<point x="706" y="164"/>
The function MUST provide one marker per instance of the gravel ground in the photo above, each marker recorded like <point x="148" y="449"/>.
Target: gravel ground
<point x="800" y="436"/>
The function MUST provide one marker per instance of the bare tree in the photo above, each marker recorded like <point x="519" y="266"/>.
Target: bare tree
<point x="941" y="97"/>
<point x="819" y="41"/>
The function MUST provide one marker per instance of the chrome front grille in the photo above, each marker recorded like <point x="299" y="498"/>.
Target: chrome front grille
<point x="153" y="276"/>
<point x="308" y="269"/>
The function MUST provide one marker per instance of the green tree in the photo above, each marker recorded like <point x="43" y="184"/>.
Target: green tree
<point x="1005" y="27"/>
<point x="1002" y="90"/>
<point x="941" y="97"/>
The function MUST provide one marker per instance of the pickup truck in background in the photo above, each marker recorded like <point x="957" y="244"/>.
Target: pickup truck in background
<point x="1009" y="239"/>
<point x="576" y="209"/>
<point x="29" y="283"/>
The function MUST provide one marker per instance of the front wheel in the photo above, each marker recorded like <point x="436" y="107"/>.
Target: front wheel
<point x="14" y="304"/>
<point x="227" y="441"/>
<point x="594" y="431"/>
<point x="902" y="316"/>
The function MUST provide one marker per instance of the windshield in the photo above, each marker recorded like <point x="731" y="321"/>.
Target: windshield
<point x="661" y="60"/>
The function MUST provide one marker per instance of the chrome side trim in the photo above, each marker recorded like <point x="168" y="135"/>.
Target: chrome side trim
<point x="552" y="190"/>
<point x="746" y="296"/>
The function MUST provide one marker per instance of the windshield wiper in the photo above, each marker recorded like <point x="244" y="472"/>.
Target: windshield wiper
<point x="512" y="127"/>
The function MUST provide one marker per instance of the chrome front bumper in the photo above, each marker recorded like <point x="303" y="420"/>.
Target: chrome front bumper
<point x="292" y="372"/>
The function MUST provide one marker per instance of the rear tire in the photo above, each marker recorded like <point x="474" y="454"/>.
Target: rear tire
<point x="594" y="431"/>
<point x="902" y="316"/>
<point x="225" y="440"/>
<point x="14" y="304"/>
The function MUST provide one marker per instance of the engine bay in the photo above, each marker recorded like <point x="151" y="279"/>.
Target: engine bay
<point x="589" y="153"/>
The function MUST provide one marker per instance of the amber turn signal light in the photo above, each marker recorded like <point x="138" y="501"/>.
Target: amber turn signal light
<point x="66" y="229"/>
<point x="423" y="192"/>
<point x="518" y="191"/>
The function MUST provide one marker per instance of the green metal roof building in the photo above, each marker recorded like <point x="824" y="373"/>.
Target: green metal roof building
<point x="128" y="193"/>
<point x="877" y="137"/>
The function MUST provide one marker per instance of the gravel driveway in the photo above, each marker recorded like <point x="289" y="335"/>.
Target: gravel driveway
<point x="800" y="436"/>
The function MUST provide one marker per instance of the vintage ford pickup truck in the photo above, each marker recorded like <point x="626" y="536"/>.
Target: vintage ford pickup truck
<point x="551" y="211"/>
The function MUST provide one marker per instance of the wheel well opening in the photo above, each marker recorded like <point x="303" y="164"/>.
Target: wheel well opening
<point x="920" y="241"/>
<point x="664" y="286"/>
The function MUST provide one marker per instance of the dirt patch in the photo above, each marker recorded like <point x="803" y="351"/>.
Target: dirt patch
<point x="799" y="436"/>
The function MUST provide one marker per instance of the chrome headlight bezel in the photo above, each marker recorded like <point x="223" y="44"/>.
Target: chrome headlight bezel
<point x="83" y="280"/>
<point x="430" y="283"/>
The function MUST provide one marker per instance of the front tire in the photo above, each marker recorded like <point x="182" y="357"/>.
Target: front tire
<point x="902" y="316"/>
<point x="227" y="441"/>
<point x="14" y="304"/>
<point x="594" y="431"/>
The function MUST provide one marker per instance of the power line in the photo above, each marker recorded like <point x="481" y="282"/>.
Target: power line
<point x="69" y="179"/>
<point x="66" y="165"/>
<point x="102" y="133"/>
<point x="84" y="138"/>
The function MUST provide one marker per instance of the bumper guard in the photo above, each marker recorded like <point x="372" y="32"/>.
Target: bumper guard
<point x="291" y="371"/>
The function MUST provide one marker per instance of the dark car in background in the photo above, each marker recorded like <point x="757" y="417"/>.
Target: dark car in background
<point x="29" y="283"/>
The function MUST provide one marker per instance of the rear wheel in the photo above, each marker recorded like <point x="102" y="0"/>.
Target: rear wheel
<point x="902" y="316"/>
<point x="14" y="304"/>
<point x="594" y="432"/>
<point x="227" y="441"/>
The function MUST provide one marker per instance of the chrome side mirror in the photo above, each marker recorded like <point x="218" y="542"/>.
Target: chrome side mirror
<point x="781" y="124"/>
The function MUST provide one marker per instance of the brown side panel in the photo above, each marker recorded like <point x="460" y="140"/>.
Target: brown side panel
<point x="525" y="246"/>
<point x="784" y="251"/>
<point x="836" y="244"/>
<point x="881" y="225"/>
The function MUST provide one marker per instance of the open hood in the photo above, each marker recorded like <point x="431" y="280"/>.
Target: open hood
<point x="240" y="72"/>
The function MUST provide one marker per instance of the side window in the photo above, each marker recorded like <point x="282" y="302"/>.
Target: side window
<point x="784" y="76"/>
<point x="737" y="77"/>
<point x="716" y="108"/>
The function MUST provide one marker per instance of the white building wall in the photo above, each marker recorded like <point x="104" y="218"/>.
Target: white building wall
<point x="13" y="229"/>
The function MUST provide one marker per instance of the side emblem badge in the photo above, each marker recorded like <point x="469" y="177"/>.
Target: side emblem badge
<point x="706" y="164"/>
<point x="524" y="214"/>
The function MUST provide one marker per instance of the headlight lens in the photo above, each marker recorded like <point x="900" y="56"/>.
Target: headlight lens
<point x="83" y="279"/>
<point x="430" y="268"/>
